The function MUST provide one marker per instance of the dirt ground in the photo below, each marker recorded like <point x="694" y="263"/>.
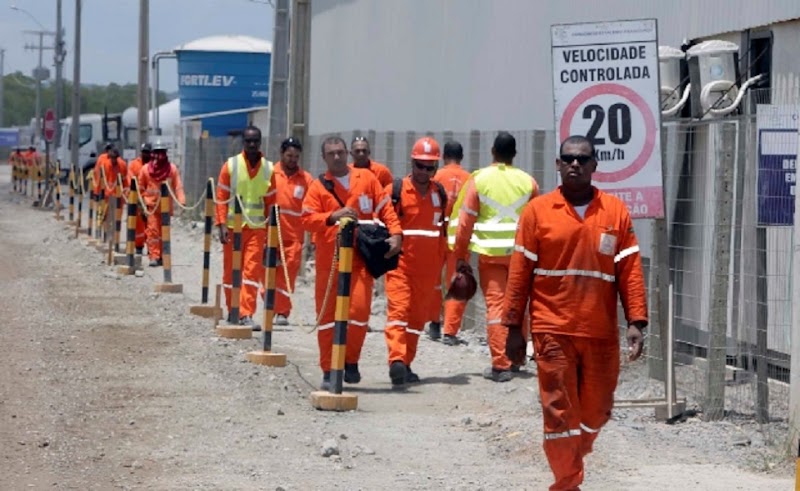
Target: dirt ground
<point x="107" y="385"/>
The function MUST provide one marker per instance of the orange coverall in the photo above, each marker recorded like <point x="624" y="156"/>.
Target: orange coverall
<point x="253" y="243"/>
<point x="492" y="274"/>
<point x="111" y="170"/>
<point x="151" y="195"/>
<point x="289" y="197"/>
<point x="452" y="176"/>
<point x="134" y="169"/>
<point x="414" y="288"/>
<point x="382" y="172"/>
<point x="364" y="190"/>
<point x="572" y="271"/>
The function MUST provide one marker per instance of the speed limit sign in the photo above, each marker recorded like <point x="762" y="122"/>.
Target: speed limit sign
<point x="605" y="85"/>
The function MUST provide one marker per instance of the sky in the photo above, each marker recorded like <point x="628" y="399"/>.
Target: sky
<point x="110" y="33"/>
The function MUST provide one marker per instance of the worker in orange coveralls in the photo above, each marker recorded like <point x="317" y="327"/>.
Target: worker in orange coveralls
<point x="157" y="171"/>
<point x="248" y="174"/>
<point x="134" y="169"/>
<point x="414" y="288"/>
<point x="453" y="177"/>
<point x="291" y="184"/>
<point x="355" y="193"/>
<point x="359" y="149"/>
<point x="575" y="253"/>
<point x="484" y="221"/>
<point x="109" y="165"/>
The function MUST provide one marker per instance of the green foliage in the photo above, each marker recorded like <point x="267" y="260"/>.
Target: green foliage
<point x="20" y="98"/>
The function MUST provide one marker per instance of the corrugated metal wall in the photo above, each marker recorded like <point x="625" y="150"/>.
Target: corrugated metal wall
<point x="462" y="65"/>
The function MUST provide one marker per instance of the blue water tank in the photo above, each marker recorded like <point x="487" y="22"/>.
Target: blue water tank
<point x="223" y="73"/>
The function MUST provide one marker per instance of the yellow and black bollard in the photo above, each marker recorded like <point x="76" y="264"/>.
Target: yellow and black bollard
<point x="205" y="310"/>
<point x="14" y="174"/>
<point x="232" y="329"/>
<point x="57" y="204"/>
<point x="266" y="356"/>
<point x="90" y="219"/>
<point x="166" y="246"/>
<point x="71" y="206"/>
<point x="336" y="400"/>
<point x="130" y="244"/>
<point x="38" y="183"/>
<point x="117" y="214"/>
<point x="79" y="214"/>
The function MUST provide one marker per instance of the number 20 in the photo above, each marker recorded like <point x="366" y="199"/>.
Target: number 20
<point x="619" y="134"/>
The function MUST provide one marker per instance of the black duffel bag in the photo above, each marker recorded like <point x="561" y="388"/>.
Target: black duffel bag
<point x="370" y="241"/>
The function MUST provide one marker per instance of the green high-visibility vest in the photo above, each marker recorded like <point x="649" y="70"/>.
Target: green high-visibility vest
<point x="503" y="191"/>
<point x="252" y="190"/>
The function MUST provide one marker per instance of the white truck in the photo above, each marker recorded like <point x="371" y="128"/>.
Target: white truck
<point x="95" y="130"/>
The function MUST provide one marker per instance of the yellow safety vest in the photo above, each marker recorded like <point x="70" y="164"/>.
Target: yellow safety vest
<point x="252" y="190"/>
<point x="503" y="192"/>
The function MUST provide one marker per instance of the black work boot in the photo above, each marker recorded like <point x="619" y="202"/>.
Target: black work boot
<point x="435" y="331"/>
<point x="411" y="377"/>
<point x="398" y="372"/>
<point x="351" y="373"/>
<point x="326" y="381"/>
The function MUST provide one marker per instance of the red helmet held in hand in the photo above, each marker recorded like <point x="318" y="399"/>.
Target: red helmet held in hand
<point x="463" y="286"/>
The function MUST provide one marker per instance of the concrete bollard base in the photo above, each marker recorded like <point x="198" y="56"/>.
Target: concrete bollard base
<point x="326" y="401"/>
<point x="207" y="311"/>
<point x="122" y="260"/>
<point x="127" y="270"/>
<point x="234" y="332"/>
<point x="266" y="358"/>
<point x="169" y="288"/>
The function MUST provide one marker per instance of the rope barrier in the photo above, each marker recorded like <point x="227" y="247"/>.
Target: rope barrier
<point x="187" y="208"/>
<point x="246" y="218"/>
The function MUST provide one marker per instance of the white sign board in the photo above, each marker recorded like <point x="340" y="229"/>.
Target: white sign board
<point x="605" y="85"/>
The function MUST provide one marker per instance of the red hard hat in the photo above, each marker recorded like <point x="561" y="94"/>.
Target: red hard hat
<point x="463" y="286"/>
<point x="426" y="148"/>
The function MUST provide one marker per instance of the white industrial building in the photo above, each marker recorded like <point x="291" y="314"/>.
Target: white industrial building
<point x="464" y="65"/>
<point x="468" y="68"/>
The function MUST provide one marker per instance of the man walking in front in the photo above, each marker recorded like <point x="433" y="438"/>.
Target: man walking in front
<point x="575" y="253"/>
<point x="249" y="176"/>
<point x="484" y="221"/>
<point x="354" y="193"/>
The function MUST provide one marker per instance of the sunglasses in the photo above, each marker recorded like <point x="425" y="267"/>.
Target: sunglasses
<point x="582" y="159"/>
<point x="252" y="140"/>
<point x="427" y="168"/>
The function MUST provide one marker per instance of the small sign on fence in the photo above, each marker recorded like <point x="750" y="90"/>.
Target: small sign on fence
<point x="777" y="127"/>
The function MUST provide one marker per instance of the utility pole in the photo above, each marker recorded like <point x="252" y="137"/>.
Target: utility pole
<point x="144" y="58"/>
<point x="300" y="68"/>
<point x="279" y="77"/>
<point x="58" y="58"/>
<point x="2" y="76"/>
<point x="39" y="73"/>
<point x="76" y="88"/>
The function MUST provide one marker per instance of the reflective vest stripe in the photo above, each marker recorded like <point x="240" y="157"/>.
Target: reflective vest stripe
<point x="422" y="233"/>
<point x="575" y="272"/>
<point x="530" y="255"/>
<point x="625" y="253"/>
<point x="251" y="190"/>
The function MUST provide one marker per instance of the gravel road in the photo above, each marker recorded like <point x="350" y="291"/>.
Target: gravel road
<point x="107" y="385"/>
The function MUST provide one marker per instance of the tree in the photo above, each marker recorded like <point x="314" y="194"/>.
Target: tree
<point x="19" y="98"/>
